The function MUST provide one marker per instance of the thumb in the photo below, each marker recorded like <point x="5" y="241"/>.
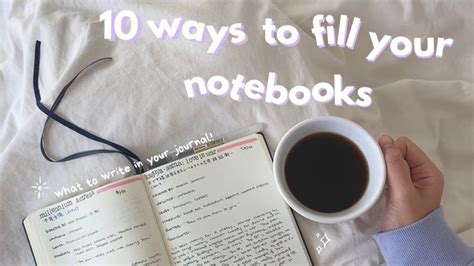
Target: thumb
<point x="398" y="171"/>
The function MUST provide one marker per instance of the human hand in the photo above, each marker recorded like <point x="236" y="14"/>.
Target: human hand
<point x="415" y="184"/>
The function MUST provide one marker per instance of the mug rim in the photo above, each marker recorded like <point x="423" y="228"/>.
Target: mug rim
<point x="328" y="218"/>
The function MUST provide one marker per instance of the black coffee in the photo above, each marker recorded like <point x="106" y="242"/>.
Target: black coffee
<point x="326" y="172"/>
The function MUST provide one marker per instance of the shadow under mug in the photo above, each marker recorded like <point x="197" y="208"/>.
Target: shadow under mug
<point x="364" y="141"/>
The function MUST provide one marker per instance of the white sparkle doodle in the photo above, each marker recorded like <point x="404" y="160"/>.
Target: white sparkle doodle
<point x="324" y="241"/>
<point x="39" y="187"/>
<point x="319" y="249"/>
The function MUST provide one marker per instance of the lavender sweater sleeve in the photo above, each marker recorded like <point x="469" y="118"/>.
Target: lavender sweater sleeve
<point x="429" y="241"/>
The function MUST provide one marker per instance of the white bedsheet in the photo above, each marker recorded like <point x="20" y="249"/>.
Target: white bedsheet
<point x="139" y="100"/>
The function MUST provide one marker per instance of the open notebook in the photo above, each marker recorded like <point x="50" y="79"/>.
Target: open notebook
<point x="216" y="206"/>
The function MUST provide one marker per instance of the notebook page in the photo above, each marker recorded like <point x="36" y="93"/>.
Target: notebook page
<point x="112" y="224"/>
<point x="222" y="206"/>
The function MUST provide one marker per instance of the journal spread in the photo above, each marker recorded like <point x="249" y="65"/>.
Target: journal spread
<point x="216" y="206"/>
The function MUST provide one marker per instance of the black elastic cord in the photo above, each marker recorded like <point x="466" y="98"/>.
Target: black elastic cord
<point x="131" y="157"/>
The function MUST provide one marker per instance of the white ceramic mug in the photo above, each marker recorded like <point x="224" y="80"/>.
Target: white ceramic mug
<point x="367" y="145"/>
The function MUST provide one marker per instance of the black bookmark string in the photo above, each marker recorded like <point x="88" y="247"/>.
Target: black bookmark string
<point x="131" y="157"/>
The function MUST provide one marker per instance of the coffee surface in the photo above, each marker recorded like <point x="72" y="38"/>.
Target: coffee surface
<point x="326" y="172"/>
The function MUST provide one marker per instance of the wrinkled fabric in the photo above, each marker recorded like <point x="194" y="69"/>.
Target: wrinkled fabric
<point x="139" y="99"/>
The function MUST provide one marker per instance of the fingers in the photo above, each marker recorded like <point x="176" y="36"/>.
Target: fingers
<point x="412" y="153"/>
<point x="398" y="171"/>
<point x="417" y="159"/>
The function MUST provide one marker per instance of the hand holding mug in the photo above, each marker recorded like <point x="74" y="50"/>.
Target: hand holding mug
<point x="415" y="184"/>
